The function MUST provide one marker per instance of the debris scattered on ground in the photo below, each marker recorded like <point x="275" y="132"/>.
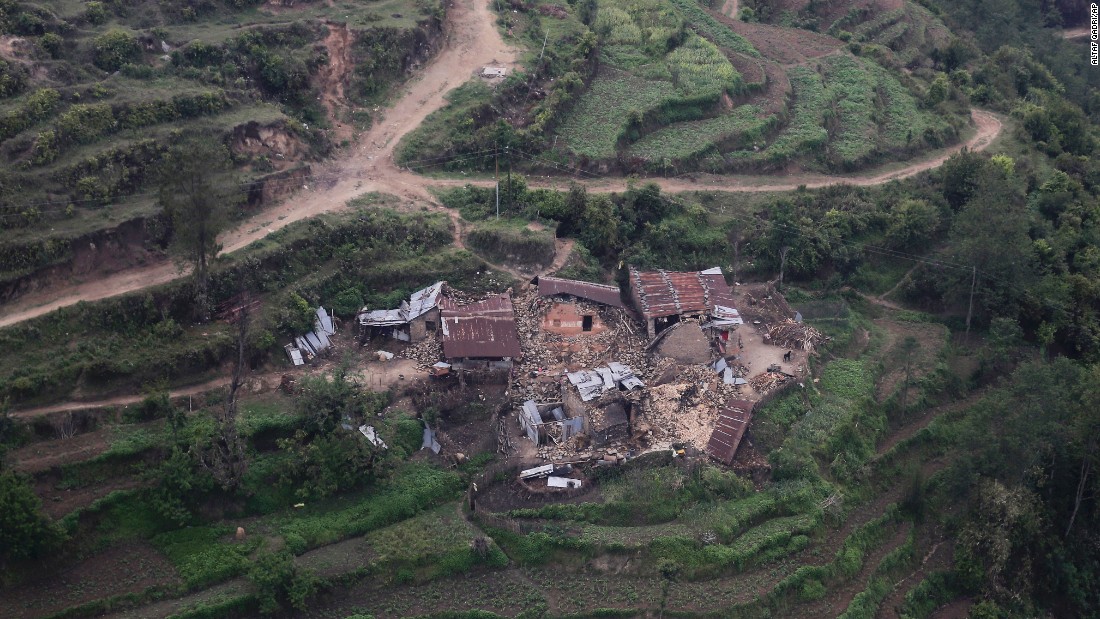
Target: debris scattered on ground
<point x="791" y="334"/>
<point x="426" y="353"/>
<point x="768" y="381"/>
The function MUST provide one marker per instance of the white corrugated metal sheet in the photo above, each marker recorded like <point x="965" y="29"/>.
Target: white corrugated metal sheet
<point x="562" y="482"/>
<point x="420" y="302"/>
<point x="372" y="436"/>
<point x="324" y="321"/>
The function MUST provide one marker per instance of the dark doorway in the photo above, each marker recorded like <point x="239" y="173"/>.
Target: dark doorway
<point x="586" y="323"/>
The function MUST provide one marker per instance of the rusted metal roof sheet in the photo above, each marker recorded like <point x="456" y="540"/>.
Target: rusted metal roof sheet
<point x="733" y="421"/>
<point x="718" y="291"/>
<point x="486" y="329"/>
<point x="688" y="290"/>
<point x="668" y="293"/>
<point x="600" y="293"/>
<point x="651" y="288"/>
<point x="496" y="304"/>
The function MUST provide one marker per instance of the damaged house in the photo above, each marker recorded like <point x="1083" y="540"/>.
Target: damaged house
<point x="480" y="336"/>
<point x="664" y="298"/>
<point x="599" y="396"/>
<point x="415" y="320"/>
<point x="569" y="317"/>
<point x="544" y="423"/>
<point x="312" y="344"/>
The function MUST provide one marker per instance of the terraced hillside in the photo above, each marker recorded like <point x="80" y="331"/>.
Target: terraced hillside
<point x="101" y="90"/>
<point x="902" y="31"/>
<point x="672" y="86"/>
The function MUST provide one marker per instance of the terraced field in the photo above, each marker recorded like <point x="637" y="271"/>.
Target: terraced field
<point x="841" y="112"/>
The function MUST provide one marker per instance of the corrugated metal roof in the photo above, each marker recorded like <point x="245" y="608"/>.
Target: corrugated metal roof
<point x="668" y="293"/>
<point x="479" y="330"/>
<point x="325" y="321"/>
<point x="382" y="318"/>
<point x="496" y="304"/>
<point x="656" y="296"/>
<point x="420" y="302"/>
<point x="733" y="420"/>
<point x="591" y="384"/>
<point x="688" y="289"/>
<point x="600" y="293"/>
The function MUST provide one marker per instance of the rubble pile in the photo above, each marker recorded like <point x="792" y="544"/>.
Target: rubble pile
<point x="546" y="356"/>
<point x="791" y="334"/>
<point x="768" y="381"/>
<point x="685" y="409"/>
<point x="762" y="304"/>
<point x="426" y="352"/>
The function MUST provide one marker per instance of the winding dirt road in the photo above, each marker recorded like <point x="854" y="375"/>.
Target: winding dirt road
<point x="471" y="42"/>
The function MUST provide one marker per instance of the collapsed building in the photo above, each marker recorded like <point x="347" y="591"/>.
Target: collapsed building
<point x="568" y="317"/>
<point x="603" y="398"/>
<point x="415" y="320"/>
<point x="548" y="422"/>
<point x="314" y="343"/>
<point x="481" y="335"/>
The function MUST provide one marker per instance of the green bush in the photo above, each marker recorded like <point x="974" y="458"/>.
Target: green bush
<point x="279" y="582"/>
<point x="51" y="43"/>
<point x="95" y="13"/>
<point x="114" y="48"/>
<point x="204" y="555"/>
<point x="12" y="79"/>
<point x="25" y="532"/>
<point x="812" y="590"/>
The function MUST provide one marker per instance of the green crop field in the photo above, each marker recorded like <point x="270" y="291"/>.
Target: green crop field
<point x="595" y="124"/>
<point x="851" y="90"/>
<point x="804" y="131"/>
<point x="688" y="140"/>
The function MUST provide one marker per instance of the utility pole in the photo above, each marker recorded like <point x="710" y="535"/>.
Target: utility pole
<point x="496" y="176"/>
<point x="509" y="153"/>
<point x="544" y="37"/>
<point x="970" y="309"/>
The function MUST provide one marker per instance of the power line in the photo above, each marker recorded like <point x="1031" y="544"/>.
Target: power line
<point x="429" y="162"/>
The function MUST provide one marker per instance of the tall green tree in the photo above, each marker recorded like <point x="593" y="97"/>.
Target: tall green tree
<point x="198" y="192"/>
<point x="24" y="531"/>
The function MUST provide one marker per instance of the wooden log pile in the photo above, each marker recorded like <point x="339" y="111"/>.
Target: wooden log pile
<point x="791" y="334"/>
<point x="768" y="381"/>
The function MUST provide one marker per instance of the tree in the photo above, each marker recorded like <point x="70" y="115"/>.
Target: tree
<point x="1085" y="438"/>
<point x="24" y="531"/>
<point x="224" y="457"/>
<point x="908" y="347"/>
<point x="912" y="222"/>
<point x="198" y="193"/>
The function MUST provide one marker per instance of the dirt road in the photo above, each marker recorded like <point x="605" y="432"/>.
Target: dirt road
<point x="472" y="41"/>
<point x="1075" y="33"/>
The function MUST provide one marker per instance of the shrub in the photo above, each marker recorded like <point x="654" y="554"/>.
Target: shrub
<point x="114" y="48"/>
<point x="296" y="316"/>
<point x="12" y="79"/>
<point x="51" y="44"/>
<point x="24" y="531"/>
<point x="280" y="582"/>
<point x="95" y="13"/>
<point x="812" y="590"/>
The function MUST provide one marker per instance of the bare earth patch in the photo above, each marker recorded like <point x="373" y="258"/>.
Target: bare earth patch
<point x="129" y="567"/>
